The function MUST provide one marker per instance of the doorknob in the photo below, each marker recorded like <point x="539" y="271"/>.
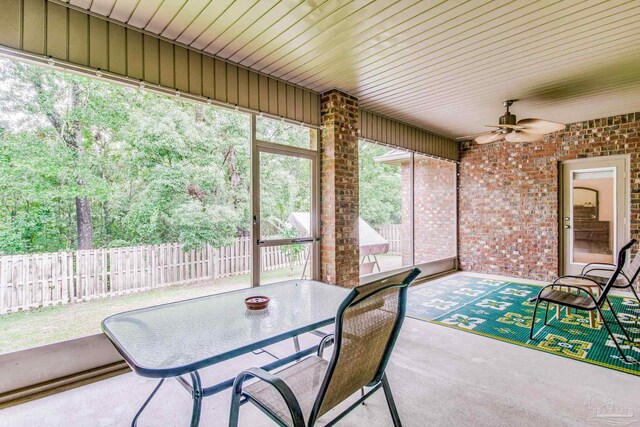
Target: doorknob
<point x="567" y="226"/>
<point x="302" y="240"/>
<point x="566" y="218"/>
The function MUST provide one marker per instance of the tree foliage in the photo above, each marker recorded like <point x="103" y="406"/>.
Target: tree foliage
<point x="380" y="186"/>
<point x="153" y="169"/>
<point x="88" y="163"/>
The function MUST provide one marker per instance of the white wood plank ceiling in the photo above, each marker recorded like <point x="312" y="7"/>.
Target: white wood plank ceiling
<point x="444" y="66"/>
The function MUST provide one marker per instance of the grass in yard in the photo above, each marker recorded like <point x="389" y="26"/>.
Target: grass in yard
<point x="47" y="325"/>
<point x="389" y="262"/>
<point x="24" y="329"/>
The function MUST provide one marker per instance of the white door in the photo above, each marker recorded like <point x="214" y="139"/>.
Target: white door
<point x="595" y="207"/>
<point x="285" y="205"/>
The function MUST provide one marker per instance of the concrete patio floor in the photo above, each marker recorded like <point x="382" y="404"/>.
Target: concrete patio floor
<point x="440" y="377"/>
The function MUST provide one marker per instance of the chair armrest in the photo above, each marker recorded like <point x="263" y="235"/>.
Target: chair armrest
<point x="622" y="273"/>
<point x="326" y="342"/>
<point x="591" y="270"/>
<point x="604" y="266"/>
<point x="568" y="286"/>
<point x="576" y="287"/>
<point x="569" y="276"/>
<point x="281" y="387"/>
<point x="588" y="273"/>
<point x="625" y="276"/>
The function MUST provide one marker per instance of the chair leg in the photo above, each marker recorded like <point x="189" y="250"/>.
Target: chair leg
<point x="234" y="415"/>
<point x="392" y="405"/>
<point x="635" y="293"/>
<point x="197" y="399"/>
<point x="134" y="423"/>
<point x="597" y="295"/>
<point x="615" y="316"/>
<point x="546" y="314"/>
<point x="613" y="338"/>
<point x="592" y="320"/>
<point x="533" y="318"/>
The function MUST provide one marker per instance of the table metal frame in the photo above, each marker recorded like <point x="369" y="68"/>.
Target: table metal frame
<point x="194" y="386"/>
<point x="197" y="392"/>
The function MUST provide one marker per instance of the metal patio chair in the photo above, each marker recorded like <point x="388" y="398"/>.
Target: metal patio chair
<point x="594" y="284"/>
<point x="366" y="329"/>
<point x="552" y="294"/>
<point x="627" y="277"/>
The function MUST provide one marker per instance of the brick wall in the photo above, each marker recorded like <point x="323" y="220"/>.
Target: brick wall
<point x="508" y="197"/>
<point x="339" y="189"/>
<point x="434" y="212"/>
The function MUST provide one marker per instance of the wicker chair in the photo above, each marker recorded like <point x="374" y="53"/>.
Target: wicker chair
<point x="627" y="277"/>
<point x="367" y="326"/>
<point x="554" y="294"/>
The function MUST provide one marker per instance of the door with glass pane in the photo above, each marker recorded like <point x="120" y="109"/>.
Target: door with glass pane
<point x="284" y="212"/>
<point x="594" y="211"/>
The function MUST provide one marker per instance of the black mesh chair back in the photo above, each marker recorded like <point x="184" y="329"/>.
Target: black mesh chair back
<point x="622" y="258"/>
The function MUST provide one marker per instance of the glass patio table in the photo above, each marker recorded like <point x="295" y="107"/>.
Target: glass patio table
<point x="180" y="338"/>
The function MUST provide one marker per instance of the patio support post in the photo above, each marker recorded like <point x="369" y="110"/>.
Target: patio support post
<point x="339" y="189"/>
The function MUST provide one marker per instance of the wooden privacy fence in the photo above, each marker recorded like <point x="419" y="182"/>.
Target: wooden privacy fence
<point x="393" y="234"/>
<point x="38" y="280"/>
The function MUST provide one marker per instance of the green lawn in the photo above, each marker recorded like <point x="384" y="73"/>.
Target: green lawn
<point x="389" y="262"/>
<point x="47" y="325"/>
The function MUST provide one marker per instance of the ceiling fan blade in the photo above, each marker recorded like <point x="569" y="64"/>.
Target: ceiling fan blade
<point x="523" y="137"/>
<point x="474" y="136"/>
<point x="539" y="126"/>
<point x="492" y="137"/>
<point x="518" y="126"/>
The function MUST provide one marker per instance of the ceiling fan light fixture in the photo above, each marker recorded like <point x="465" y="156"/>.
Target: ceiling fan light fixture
<point x="508" y="118"/>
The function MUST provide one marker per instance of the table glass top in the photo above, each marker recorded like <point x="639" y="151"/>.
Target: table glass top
<point x="173" y="339"/>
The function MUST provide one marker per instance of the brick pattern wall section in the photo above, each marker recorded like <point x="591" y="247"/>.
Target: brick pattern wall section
<point x="435" y="207"/>
<point x="434" y="212"/>
<point x="339" y="189"/>
<point x="508" y="197"/>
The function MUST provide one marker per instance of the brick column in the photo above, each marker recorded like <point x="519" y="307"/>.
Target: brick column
<point x="340" y="258"/>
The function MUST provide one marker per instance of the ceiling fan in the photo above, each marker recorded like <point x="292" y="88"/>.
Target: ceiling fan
<point x="525" y="130"/>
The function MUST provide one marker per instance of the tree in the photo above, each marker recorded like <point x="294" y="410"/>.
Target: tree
<point x="73" y="109"/>
<point x="89" y="163"/>
<point x="380" y="187"/>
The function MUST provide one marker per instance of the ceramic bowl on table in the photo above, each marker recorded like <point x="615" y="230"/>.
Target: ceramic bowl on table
<point x="257" y="302"/>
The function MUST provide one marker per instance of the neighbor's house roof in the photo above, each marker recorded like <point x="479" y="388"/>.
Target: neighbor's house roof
<point x="393" y="156"/>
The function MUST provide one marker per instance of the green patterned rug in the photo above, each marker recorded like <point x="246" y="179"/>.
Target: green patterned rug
<point x="501" y="310"/>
